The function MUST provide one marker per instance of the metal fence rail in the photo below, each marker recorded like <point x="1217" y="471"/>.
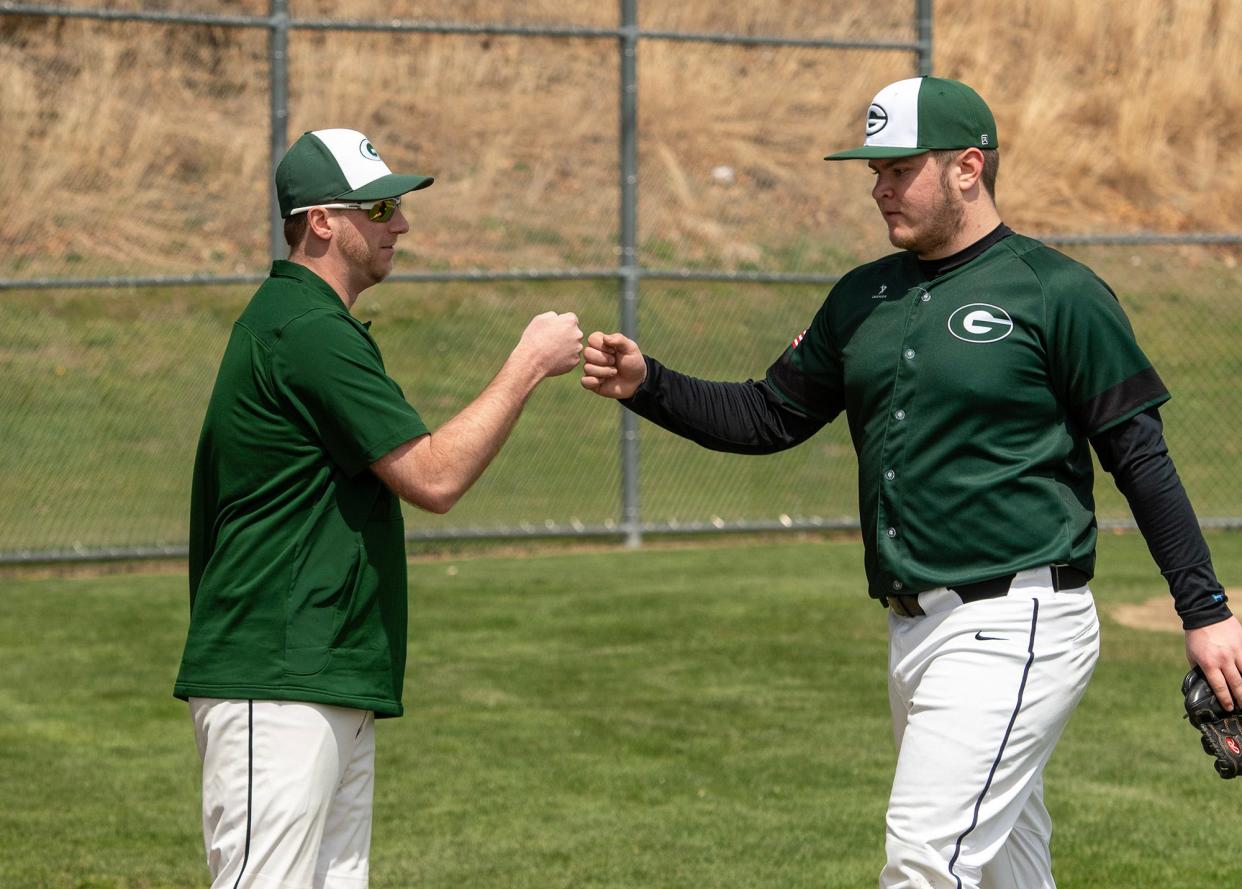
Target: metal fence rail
<point x="628" y="273"/>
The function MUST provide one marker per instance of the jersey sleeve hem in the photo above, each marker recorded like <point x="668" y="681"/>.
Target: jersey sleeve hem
<point x="784" y="396"/>
<point x="1123" y="401"/>
<point x="783" y="369"/>
<point x="1130" y="414"/>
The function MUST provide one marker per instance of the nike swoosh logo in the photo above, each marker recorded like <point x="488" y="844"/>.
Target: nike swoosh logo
<point x="982" y="638"/>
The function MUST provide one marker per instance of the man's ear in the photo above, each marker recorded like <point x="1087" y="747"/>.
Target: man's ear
<point x="970" y="167"/>
<point x="317" y="222"/>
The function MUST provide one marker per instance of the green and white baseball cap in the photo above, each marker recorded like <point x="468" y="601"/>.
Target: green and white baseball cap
<point x="337" y="165"/>
<point x="924" y="114"/>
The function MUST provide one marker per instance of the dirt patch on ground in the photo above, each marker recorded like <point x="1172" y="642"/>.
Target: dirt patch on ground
<point x="1156" y="614"/>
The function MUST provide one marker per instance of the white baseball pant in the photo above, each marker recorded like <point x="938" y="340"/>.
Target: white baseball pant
<point x="287" y="789"/>
<point x="980" y="693"/>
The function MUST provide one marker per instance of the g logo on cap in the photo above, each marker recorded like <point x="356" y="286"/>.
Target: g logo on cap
<point x="367" y="150"/>
<point x="877" y="119"/>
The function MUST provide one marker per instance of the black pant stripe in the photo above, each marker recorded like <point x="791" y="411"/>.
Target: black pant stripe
<point x="249" y="788"/>
<point x="1026" y="671"/>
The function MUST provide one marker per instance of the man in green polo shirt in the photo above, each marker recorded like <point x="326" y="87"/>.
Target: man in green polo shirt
<point x="297" y="636"/>
<point x="975" y="369"/>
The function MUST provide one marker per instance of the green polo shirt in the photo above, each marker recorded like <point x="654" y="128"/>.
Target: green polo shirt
<point x="970" y="398"/>
<point x="297" y="550"/>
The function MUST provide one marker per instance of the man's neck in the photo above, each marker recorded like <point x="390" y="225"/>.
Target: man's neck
<point x="336" y="277"/>
<point x="980" y="218"/>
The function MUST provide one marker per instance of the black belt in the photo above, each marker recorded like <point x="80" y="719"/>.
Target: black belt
<point x="1064" y="577"/>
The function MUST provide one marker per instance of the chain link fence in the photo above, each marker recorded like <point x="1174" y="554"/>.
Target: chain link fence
<point x="141" y="138"/>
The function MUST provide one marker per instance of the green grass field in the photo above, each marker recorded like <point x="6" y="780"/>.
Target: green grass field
<point x="707" y="716"/>
<point x="102" y="395"/>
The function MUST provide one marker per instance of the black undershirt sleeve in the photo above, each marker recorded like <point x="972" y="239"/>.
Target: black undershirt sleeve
<point x="739" y="418"/>
<point x="1134" y="452"/>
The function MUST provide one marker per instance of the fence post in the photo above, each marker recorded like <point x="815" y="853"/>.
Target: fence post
<point x="923" y="22"/>
<point x="631" y="516"/>
<point x="278" y="79"/>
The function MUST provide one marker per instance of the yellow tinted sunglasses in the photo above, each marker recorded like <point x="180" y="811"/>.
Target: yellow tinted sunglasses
<point x="377" y="211"/>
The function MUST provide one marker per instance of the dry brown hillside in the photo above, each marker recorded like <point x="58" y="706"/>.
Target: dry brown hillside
<point x="143" y="148"/>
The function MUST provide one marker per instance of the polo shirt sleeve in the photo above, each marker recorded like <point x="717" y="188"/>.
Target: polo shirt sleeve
<point x="1098" y="370"/>
<point x="808" y="374"/>
<point x="332" y="374"/>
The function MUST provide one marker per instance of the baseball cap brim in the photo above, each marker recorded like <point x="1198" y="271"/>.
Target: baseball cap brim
<point x="866" y="152"/>
<point x="389" y="186"/>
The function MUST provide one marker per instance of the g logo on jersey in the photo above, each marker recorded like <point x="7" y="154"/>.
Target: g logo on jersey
<point x="980" y="323"/>
<point x="877" y="119"/>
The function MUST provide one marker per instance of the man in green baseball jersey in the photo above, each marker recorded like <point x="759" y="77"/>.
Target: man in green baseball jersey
<point x="297" y="636"/>
<point x="975" y="368"/>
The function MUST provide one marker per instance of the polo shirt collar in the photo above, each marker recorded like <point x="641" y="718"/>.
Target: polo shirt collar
<point x="283" y="268"/>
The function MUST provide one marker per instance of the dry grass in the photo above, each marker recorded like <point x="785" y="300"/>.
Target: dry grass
<point x="137" y="147"/>
<point x="1113" y="115"/>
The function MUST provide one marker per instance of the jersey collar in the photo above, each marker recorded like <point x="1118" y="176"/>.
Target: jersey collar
<point x="934" y="268"/>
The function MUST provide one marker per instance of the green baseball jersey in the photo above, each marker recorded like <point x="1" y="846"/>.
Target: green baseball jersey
<point x="970" y="398"/>
<point x="297" y="550"/>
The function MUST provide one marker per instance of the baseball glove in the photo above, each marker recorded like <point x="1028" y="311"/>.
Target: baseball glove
<point x="1222" y="729"/>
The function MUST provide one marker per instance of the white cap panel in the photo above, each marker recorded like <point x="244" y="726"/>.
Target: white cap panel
<point x="893" y="118"/>
<point x="356" y="156"/>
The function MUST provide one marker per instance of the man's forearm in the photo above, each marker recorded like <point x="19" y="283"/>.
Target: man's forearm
<point x="738" y="418"/>
<point x="1136" y="455"/>
<point x="434" y="471"/>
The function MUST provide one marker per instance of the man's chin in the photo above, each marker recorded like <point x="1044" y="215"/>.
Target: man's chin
<point x="381" y="270"/>
<point x="901" y="240"/>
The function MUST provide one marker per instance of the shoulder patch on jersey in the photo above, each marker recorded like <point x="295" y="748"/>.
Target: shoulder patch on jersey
<point x="799" y="338"/>
<point x="980" y="323"/>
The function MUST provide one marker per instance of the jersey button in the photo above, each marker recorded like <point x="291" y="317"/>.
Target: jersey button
<point x="897" y="584"/>
<point x="892" y="532"/>
<point x="909" y="353"/>
<point x="926" y="297"/>
<point x="900" y="415"/>
<point x="890" y="475"/>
